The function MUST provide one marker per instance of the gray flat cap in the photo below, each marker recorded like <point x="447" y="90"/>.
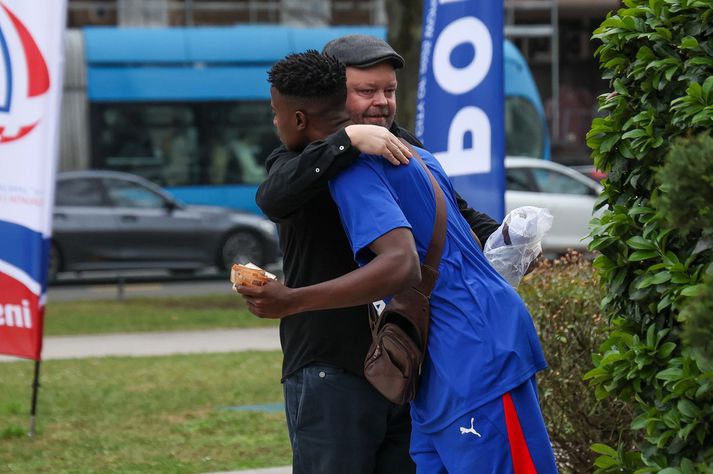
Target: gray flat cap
<point x="362" y="51"/>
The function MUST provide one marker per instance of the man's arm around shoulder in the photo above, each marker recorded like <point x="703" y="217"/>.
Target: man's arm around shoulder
<point x="295" y="178"/>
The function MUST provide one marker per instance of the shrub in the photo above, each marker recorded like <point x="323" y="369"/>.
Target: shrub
<point x="686" y="182"/>
<point x="686" y="200"/>
<point x="698" y="315"/>
<point x="658" y="56"/>
<point x="563" y="297"/>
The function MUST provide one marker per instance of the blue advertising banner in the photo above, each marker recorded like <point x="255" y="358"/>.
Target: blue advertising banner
<point x="460" y="109"/>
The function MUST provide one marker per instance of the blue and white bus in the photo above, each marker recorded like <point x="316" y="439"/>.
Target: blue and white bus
<point x="188" y="108"/>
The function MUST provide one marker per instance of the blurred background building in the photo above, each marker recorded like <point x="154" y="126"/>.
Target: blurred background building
<point x="224" y="12"/>
<point x="553" y="35"/>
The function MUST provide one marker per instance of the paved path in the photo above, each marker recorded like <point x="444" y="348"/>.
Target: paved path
<point x="159" y="343"/>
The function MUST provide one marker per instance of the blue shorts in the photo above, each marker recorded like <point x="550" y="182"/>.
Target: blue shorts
<point x="507" y="435"/>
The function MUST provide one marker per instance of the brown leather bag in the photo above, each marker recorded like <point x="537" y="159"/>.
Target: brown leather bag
<point x="400" y="332"/>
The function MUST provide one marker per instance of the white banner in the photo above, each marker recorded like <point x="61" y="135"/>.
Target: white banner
<point x="31" y="66"/>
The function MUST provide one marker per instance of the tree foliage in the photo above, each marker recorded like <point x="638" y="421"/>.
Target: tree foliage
<point x="698" y="315"/>
<point x="686" y="181"/>
<point x="658" y="56"/>
<point x="687" y="202"/>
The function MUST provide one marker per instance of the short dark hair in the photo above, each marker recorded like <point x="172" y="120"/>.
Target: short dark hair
<point x="309" y="75"/>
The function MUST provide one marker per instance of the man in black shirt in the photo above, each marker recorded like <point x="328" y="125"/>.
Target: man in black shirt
<point x="337" y="422"/>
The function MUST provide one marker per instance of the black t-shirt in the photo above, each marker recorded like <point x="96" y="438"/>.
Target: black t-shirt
<point x="315" y="249"/>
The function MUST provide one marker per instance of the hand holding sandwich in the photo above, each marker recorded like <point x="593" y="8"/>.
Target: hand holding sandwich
<point x="273" y="300"/>
<point x="264" y="295"/>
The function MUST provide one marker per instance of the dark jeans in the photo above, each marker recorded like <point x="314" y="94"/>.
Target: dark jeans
<point x="339" y="424"/>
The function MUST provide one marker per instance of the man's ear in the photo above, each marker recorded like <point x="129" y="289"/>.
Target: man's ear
<point x="300" y="120"/>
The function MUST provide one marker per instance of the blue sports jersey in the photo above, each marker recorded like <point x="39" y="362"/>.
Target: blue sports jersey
<point x="482" y="341"/>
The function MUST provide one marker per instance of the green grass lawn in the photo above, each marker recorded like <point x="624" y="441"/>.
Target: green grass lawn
<point x="184" y="313"/>
<point x="144" y="415"/>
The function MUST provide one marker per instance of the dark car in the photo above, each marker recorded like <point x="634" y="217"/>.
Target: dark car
<point x="106" y="220"/>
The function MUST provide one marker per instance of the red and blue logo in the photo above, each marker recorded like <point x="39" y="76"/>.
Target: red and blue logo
<point x="24" y="78"/>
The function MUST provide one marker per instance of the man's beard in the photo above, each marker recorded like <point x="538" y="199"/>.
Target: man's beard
<point x="383" y="119"/>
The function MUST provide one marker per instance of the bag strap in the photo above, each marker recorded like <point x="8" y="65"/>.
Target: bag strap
<point x="438" y="237"/>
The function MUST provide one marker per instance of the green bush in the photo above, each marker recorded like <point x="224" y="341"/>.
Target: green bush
<point x="563" y="297"/>
<point x="658" y="56"/>
<point x="686" y="182"/>
<point x="698" y="315"/>
<point x="686" y="200"/>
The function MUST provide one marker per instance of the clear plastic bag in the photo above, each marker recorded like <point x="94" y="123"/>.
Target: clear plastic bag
<point x="518" y="241"/>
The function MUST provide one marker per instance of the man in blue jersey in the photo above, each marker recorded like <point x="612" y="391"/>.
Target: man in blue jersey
<point x="476" y="410"/>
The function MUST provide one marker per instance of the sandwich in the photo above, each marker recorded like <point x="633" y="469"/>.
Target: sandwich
<point x="249" y="275"/>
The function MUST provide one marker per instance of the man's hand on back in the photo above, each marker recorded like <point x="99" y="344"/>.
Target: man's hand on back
<point x="376" y="140"/>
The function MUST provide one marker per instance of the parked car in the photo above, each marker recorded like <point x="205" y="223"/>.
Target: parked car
<point x="106" y="220"/>
<point x="568" y="194"/>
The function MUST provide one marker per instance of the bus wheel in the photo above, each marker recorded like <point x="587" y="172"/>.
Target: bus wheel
<point x="241" y="247"/>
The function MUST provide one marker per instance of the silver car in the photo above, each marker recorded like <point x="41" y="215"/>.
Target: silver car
<point x="568" y="194"/>
<point x="106" y="220"/>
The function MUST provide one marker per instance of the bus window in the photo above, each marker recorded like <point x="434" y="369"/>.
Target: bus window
<point x="239" y="136"/>
<point x="524" y="135"/>
<point x="185" y="144"/>
<point x="205" y="132"/>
